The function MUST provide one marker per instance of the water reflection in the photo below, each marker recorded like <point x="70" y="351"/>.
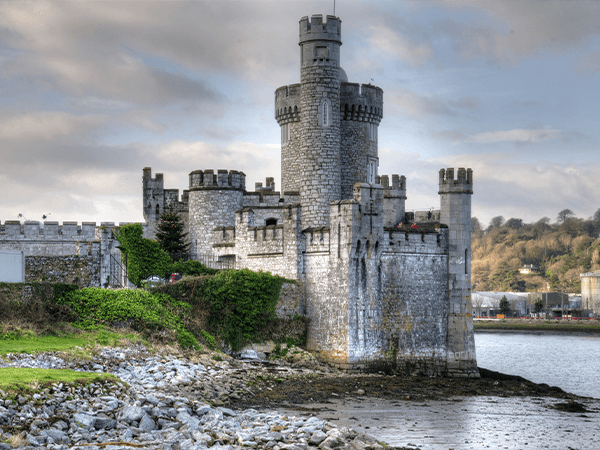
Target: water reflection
<point x="469" y="423"/>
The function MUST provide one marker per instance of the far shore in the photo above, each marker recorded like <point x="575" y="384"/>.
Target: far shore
<point x="537" y="326"/>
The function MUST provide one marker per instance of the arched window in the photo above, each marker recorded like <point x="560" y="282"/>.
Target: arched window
<point x="325" y="113"/>
<point x="271" y="221"/>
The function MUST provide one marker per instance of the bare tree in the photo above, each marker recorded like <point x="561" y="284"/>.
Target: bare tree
<point x="496" y="222"/>
<point x="477" y="303"/>
<point x="565" y="215"/>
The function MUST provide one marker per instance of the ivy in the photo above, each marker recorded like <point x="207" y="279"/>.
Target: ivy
<point x="144" y="257"/>
<point x="241" y="302"/>
<point x="97" y="307"/>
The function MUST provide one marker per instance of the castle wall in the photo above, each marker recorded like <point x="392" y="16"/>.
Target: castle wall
<point x="414" y="299"/>
<point x="274" y="248"/>
<point x="69" y="252"/>
<point x="83" y="271"/>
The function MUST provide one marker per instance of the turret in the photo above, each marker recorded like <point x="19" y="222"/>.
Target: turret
<point x="213" y="200"/>
<point x="319" y="176"/>
<point x="455" y="211"/>
<point x="153" y="195"/>
<point x="394" y="199"/>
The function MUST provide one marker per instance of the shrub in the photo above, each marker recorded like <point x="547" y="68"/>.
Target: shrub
<point x="96" y="307"/>
<point x="241" y="302"/>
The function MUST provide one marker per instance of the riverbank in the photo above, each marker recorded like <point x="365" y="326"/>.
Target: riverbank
<point x="565" y="326"/>
<point x="168" y="399"/>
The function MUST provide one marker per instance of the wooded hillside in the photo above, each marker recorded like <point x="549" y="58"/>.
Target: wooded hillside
<point x="563" y="250"/>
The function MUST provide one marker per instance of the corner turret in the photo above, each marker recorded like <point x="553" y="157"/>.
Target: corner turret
<point x="455" y="211"/>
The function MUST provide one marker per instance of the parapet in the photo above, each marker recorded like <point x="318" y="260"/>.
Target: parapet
<point x="33" y="230"/>
<point x="462" y="185"/>
<point x="287" y="103"/>
<point x="396" y="189"/>
<point x="223" y="179"/>
<point x="363" y="103"/>
<point x="315" y="30"/>
<point x="149" y="182"/>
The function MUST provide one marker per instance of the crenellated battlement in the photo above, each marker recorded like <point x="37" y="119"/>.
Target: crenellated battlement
<point x="396" y="189"/>
<point x="13" y="229"/>
<point x="287" y="103"/>
<point x="314" y="29"/>
<point x="463" y="184"/>
<point x="149" y="182"/>
<point x="362" y="103"/>
<point x="223" y="179"/>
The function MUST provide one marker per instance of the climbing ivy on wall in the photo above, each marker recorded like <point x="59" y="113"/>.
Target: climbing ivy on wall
<point x="144" y="256"/>
<point x="240" y="302"/>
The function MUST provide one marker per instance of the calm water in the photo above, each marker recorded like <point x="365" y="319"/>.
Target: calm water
<point x="569" y="362"/>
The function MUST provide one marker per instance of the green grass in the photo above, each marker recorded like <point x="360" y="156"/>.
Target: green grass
<point x="10" y="376"/>
<point x="27" y="343"/>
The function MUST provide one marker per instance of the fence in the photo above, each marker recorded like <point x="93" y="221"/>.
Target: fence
<point x="218" y="262"/>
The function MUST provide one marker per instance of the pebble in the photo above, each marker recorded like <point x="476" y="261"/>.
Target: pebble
<point x="156" y="410"/>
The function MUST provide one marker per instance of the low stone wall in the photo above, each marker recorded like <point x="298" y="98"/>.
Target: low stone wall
<point x="84" y="271"/>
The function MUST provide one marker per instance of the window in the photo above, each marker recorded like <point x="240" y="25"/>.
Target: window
<point x="325" y="113"/>
<point x="271" y="221"/>
<point x="372" y="171"/>
<point x="285" y="133"/>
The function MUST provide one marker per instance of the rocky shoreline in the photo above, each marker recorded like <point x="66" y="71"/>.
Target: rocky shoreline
<point x="167" y="400"/>
<point x="163" y="402"/>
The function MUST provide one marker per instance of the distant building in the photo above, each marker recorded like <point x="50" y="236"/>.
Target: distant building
<point x="590" y="292"/>
<point x="529" y="268"/>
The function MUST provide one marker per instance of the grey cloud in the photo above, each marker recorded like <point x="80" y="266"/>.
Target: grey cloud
<point x="419" y="105"/>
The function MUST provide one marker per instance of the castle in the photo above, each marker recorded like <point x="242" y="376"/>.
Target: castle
<point x="382" y="289"/>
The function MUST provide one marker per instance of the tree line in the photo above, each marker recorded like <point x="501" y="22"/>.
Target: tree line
<point x="562" y="250"/>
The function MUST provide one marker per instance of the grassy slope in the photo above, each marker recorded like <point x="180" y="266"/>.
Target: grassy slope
<point x="10" y="376"/>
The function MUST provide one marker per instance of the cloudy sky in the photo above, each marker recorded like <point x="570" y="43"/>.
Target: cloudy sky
<point x="93" y="91"/>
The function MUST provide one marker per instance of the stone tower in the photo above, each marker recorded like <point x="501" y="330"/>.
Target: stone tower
<point x="455" y="211"/>
<point x="213" y="201"/>
<point x="328" y="126"/>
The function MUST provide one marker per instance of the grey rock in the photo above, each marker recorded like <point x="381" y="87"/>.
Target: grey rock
<point x="56" y="435"/>
<point x="105" y="423"/>
<point x="130" y="414"/>
<point x="147" y="424"/>
<point x="317" y="437"/>
<point x="83" y="420"/>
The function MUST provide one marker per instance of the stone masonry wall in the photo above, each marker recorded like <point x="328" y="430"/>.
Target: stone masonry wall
<point x="83" y="271"/>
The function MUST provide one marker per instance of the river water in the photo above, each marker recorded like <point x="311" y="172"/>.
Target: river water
<point x="569" y="362"/>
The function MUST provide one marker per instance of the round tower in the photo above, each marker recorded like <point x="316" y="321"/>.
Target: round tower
<point x="318" y="177"/>
<point x="213" y="201"/>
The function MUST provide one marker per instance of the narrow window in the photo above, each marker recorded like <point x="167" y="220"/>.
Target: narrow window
<point x="157" y="211"/>
<point x="325" y="113"/>
<point x="466" y="266"/>
<point x="372" y="172"/>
